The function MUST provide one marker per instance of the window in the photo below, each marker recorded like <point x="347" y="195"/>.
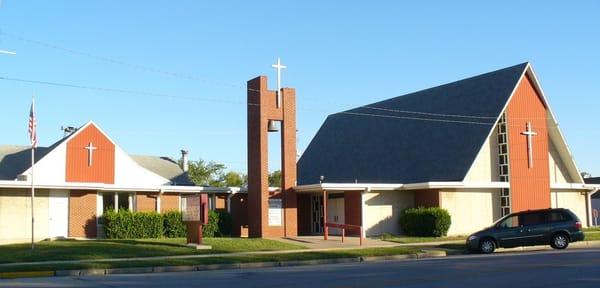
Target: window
<point x="554" y="217"/>
<point x="503" y="165"/>
<point x="108" y="201"/>
<point x="510" y="222"/>
<point x="530" y="219"/>
<point x="124" y="201"/>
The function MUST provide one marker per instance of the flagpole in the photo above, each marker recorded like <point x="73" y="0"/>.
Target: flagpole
<point x="33" y="137"/>
<point x="32" y="197"/>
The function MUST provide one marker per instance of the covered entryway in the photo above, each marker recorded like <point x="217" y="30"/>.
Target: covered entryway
<point x="339" y="207"/>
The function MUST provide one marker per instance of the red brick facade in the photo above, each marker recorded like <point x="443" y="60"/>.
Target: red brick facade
<point x="82" y="214"/>
<point x="146" y="202"/>
<point x="169" y="202"/>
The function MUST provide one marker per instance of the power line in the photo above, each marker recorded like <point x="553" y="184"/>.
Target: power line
<point x="417" y="118"/>
<point x="203" y="79"/>
<point x="116" y="90"/>
<point x="121" y="62"/>
<point x="428" y="113"/>
<point x="134" y="92"/>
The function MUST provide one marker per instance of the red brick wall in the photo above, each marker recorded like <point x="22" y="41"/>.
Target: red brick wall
<point x="220" y="203"/>
<point x="146" y="202"/>
<point x="352" y="210"/>
<point x="304" y="211"/>
<point x="239" y="214"/>
<point x="427" y="198"/>
<point x="82" y="214"/>
<point x="169" y="202"/>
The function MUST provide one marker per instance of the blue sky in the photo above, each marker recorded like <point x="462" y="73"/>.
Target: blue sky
<point x="340" y="55"/>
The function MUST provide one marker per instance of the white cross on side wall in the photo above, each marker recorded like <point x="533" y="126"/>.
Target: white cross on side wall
<point x="90" y="149"/>
<point x="529" y="134"/>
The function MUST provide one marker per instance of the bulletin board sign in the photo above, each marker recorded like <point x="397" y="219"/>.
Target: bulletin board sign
<point x="191" y="208"/>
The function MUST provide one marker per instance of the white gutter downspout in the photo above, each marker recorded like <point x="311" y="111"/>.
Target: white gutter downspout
<point x="588" y="206"/>
<point x="158" y="200"/>
<point x="233" y="192"/>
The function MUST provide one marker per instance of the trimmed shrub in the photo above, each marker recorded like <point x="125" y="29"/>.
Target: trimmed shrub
<point x="126" y="224"/>
<point x="225" y="223"/>
<point x="173" y="225"/>
<point x="425" y="222"/>
<point x="211" y="229"/>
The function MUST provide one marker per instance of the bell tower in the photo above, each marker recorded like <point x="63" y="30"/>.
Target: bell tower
<point x="271" y="213"/>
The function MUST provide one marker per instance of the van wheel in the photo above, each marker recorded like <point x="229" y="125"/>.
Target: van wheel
<point x="487" y="246"/>
<point x="559" y="241"/>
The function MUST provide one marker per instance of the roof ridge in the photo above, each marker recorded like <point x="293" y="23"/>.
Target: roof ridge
<point x="524" y="66"/>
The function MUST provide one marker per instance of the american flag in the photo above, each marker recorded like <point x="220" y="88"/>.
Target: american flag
<point x="32" y="125"/>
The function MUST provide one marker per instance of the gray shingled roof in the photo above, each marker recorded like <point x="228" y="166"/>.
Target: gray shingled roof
<point x="592" y="180"/>
<point x="14" y="160"/>
<point x="165" y="167"/>
<point x="382" y="143"/>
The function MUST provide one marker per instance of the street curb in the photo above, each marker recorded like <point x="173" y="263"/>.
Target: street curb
<point x="209" y="267"/>
<point x="30" y="274"/>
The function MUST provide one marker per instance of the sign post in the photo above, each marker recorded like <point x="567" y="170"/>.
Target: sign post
<point x="195" y="216"/>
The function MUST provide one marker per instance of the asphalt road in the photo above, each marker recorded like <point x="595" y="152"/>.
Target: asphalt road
<point x="569" y="268"/>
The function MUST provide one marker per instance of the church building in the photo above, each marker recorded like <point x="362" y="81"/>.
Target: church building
<point x="81" y="176"/>
<point x="481" y="147"/>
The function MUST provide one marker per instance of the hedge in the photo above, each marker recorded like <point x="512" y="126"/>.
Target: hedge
<point x="173" y="225"/>
<point x="425" y="222"/>
<point x="126" y="224"/>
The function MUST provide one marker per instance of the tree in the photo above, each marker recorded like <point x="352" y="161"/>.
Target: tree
<point x="202" y="173"/>
<point x="275" y="178"/>
<point x="234" y="179"/>
<point x="585" y="174"/>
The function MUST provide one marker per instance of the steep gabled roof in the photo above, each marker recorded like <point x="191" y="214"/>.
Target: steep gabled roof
<point x="16" y="160"/>
<point x="429" y="135"/>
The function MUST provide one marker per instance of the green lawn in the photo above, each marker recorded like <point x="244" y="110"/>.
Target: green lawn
<point x="102" y="249"/>
<point x="413" y="239"/>
<point x="592" y="229"/>
<point x="365" y="252"/>
<point x="592" y="236"/>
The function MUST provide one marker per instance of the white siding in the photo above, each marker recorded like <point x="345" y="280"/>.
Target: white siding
<point x="15" y="215"/>
<point x="382" y="211"/>
<point x="485" y="166"/>
<point x="471" y="210"/>
<point x="558" y="171"/>
<point x="573" y="201"/>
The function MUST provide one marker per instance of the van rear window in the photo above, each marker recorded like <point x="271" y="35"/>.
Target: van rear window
<point x="558" y="217"/>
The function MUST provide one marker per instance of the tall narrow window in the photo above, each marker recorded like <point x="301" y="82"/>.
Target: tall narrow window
<point x="503" y="167"/>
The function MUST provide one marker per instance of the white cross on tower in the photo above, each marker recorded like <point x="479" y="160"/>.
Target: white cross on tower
<point x="90" y="149"/>
<point x="279" y="67"/>
<point x="529" y="134"/>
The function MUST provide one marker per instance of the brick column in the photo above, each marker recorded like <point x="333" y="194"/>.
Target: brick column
<point x="262" y="107"/>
